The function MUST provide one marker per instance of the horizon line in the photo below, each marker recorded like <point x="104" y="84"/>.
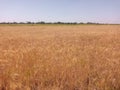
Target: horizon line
<point x="51" y="22"/>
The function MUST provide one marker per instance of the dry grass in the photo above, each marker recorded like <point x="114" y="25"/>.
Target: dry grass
<point x="60" y="57"/>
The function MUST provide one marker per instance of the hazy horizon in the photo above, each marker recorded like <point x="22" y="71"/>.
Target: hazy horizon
<point x="102" y="11"/>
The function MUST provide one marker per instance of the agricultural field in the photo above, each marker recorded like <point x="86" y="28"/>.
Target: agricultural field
<point x="59" y="57"/>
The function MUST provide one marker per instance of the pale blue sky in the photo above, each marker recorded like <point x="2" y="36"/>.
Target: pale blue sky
<point x="103" y="11"/>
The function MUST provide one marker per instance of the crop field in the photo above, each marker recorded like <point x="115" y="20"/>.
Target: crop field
<point x="59" y="57"/>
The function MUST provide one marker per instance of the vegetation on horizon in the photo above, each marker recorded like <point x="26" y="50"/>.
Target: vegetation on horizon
<point x="42" y="22"/>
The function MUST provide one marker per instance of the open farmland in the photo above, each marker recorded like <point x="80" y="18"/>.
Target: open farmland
<point x="60" y="57"/>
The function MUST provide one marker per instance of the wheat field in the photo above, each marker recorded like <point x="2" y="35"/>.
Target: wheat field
<point x="60" y="57"/>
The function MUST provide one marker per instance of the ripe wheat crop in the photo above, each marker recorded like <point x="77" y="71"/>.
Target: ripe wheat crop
<point x="62" y="57"/>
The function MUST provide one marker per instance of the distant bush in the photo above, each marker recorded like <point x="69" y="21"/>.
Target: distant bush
<point x="42" y="22"/>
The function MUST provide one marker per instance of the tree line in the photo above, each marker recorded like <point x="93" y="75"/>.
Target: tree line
<point x="42" y="22"/>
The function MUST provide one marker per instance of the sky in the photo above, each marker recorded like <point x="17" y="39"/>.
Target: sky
<point x="102" y="11"/>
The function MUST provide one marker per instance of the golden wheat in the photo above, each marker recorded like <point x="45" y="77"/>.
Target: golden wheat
<point x="62" y="57"/>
